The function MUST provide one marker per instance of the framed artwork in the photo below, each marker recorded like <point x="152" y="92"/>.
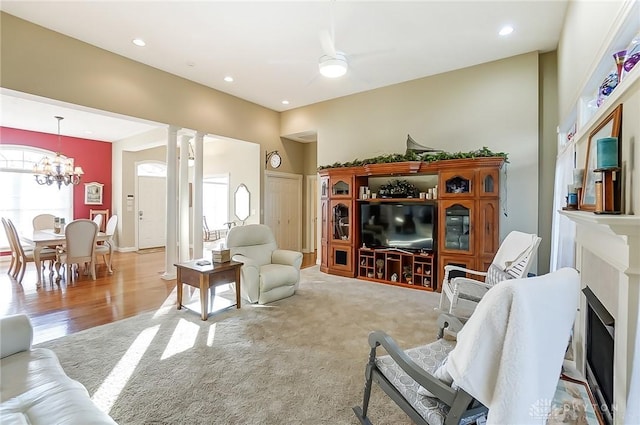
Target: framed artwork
<point x="573" y="403"/>
<point x="93" y="193"/>
<point x="609" y="127"/>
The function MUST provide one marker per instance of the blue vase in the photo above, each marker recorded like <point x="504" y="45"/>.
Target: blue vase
<point x="607" y="151"/>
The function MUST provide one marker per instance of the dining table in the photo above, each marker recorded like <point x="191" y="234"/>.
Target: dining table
<point x="48" y="237"/>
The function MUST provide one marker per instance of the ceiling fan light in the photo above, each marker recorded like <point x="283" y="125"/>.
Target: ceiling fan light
<point x="333" y="67"/>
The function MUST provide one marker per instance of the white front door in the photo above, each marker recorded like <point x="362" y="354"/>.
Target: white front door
<point x="152" y="214"/>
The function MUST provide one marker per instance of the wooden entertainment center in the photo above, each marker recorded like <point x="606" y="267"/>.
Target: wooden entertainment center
<point x="467" y="220"/>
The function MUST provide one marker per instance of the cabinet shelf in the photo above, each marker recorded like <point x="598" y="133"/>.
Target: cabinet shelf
<point x="400" y="268"/>
<point x="403" y="200"/>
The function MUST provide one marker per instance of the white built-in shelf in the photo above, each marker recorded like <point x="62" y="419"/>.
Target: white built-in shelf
<point x="585" y="119"/>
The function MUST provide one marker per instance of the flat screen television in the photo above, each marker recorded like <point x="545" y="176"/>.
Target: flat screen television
<point x="408" y="226"/>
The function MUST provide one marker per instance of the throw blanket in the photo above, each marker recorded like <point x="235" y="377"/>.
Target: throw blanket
<point x="510" y="352"/>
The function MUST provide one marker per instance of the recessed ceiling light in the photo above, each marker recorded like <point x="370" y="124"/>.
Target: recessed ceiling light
<point x="88" y="132"/>
<point x="506" y="30"/>
<point x="285" y="102"/>
<point x="228" y="79"/>
<point x="139" y="42"/>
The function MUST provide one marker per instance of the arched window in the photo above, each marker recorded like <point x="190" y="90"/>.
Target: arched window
<point x="23" y="198"/>
<point x="152" y="169"/>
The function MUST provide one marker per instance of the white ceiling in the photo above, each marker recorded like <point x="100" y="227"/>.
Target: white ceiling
<point x="27" y="112"/>
<point x="272" y="48"/>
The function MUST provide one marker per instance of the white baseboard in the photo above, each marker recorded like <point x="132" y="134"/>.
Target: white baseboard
<point x="126" y="249"/>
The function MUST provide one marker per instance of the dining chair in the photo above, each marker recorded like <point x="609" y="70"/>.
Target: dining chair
<point x="98" y="220"/>
<point x="43" y="221"/>
<point x="7" y="230"/>
<point x="79" y="248"/>
<point x="104" y="214"/>
<point x="208" y="234"/>
<point x="21" y="256"/>
<point x="107" y="247"/>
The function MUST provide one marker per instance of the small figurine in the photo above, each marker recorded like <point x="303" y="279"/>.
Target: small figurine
<point x="380" y="264"/>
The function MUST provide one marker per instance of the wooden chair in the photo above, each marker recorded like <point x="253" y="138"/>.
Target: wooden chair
<point x="107" y="247"/>
<point x="80" y="247"/>
<point x="102" y="225"/>
<point x="512" y="261"/>
<point x="208" y="234"/>
<point x="446" y="382"/>
<point x="20" y="256"/>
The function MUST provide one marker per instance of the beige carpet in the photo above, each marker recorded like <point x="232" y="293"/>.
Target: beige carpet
<point x="298" y="360"/>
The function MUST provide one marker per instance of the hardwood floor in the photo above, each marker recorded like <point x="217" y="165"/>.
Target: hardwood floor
<point x="61" y="309"/>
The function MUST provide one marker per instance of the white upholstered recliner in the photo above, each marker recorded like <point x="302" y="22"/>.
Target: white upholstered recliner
<point x="268" y="273"/>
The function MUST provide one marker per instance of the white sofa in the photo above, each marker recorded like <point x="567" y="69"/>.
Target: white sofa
<point x="33" y="387"/>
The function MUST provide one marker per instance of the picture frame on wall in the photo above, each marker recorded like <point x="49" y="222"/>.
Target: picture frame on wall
<point x="610" y="126"/>
<point x="93" y="193"/>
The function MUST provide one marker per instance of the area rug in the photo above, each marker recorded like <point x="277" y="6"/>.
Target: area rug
<point x="297" y="360"/>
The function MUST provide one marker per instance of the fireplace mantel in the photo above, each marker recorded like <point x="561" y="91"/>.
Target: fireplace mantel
<point x="613" y="237"/>
<point x="607" y="248"/>
<point x="621" y="225"/>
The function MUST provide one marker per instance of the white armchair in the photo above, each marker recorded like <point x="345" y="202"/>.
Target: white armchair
<point x="268" y="274"/>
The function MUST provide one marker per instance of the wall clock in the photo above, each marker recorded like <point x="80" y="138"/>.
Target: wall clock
<point x="274" y="159"/>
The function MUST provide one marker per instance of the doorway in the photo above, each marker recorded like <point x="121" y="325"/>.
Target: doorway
<point x="151" y="208"/>
<point x="283" y="208"/>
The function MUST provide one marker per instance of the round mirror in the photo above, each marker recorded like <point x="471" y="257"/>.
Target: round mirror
<point x="242" y="202"/>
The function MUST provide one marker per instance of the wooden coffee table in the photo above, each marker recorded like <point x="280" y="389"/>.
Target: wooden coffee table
<point x="205" y="277"/>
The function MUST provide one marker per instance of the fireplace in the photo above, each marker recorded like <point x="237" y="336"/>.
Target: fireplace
<point x="606" y="255"/>
<point x="600" y="333"/>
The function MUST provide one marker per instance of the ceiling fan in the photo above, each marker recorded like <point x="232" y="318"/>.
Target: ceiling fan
<point x="333" y="63"/>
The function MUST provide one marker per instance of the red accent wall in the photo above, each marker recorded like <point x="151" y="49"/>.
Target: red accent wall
<point x="93" y="156"/>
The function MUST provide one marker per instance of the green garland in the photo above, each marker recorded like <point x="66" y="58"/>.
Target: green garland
<point x="413" y="156"/>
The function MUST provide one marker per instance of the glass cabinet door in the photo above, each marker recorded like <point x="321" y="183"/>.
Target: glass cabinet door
<point x="489" y="181"/>
<point x="456" y="184"/>
<point x="341" y="219"/>
<point x="457" y="227"/>
<point x="340" y="188"/>
<point x="324" y="187"/>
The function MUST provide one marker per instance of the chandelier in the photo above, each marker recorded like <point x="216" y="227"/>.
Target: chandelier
<point x="58" y="170"/>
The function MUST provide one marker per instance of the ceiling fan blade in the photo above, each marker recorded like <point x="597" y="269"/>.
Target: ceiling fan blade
<point x="327" y="43"/>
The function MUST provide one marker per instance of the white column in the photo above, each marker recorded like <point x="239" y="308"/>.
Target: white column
<point x="197" y="196"/>
<point x="183" y="200"/>
<point x="171" y="235"/>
